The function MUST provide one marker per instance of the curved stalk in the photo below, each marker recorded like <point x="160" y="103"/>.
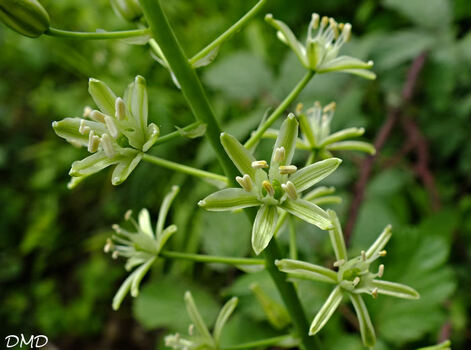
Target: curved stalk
<point x="211" y="258"/>
<point x="185" y="169"/>
<point x="175" y="134"/>
<point x="257" y="135"/>
<point x="123" y="34"/>
<point x="259" y="343"/>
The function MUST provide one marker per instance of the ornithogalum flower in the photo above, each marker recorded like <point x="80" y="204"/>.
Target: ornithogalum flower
<point x="199" y="336"/>
<point x="316" y="133"/>
<point x="320" y="53"/>
<point x="141" y="247"/>
<point x="279" y="189"/>
<point x="117" y="134"/>
<point x="352" y="279"/>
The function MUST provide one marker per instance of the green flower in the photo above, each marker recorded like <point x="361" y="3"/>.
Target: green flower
<point x="279" y="189"/>
<point x="142" y="247"/>
<point x="352" y="279"/>
<point x="117" y="134"/>
<point x="320" y="53"/>
<point x="202" y="339"/>
<point x="316" y="136"/>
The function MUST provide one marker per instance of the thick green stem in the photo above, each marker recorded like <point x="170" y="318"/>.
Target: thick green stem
<point x="185" y="169"/>
<point x="228" y="33"/>
<point x="199" y="104"/>
<point x="211" y="258"/>
<point x="123" y="34"/>
<point x="189" y="82"/>
<point x="257" y="135"/>
<point x="259" y="343"/>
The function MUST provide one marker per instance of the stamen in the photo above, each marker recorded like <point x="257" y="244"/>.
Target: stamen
<point x="86" y="111"/>
<point x="381" y="271"/>
<point x="110" y="124"/>
<point x="97" y="116"/>
<point x="259" y="164"/>
<point x="363" y="255"/>
<point x="116" y="228"/>
<point x="347" y="31"/>
<point x="191" y="328"/>
<point x="107" y="145"/>
<point x="374" y="293"/>
<point x="356" y="280"/>
<point x="280" y="154"/>
<point x="330" y="107"/>
<point x="127" y="215"/>
<point x="290" y="190"/>
<point x="120" y="109"/>
<point x="93" y="142"/>
<point x="315" y="20"/>
<point x="324" y="22"/>
<point x="108" y="246"/>
<point x="339" y="262"/>
<point x="268" y="187"/>
<point x="299" y="108"/>
<point x="287" y="169"/>
<point x="383" y="253"/>
<point x="245" y="182"/>
<point x="115" y="255"/>
<point x="83" y="128"/>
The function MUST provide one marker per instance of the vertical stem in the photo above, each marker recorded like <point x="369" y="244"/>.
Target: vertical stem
<point x="293" y="249"/>
<point x="199" y="104"/>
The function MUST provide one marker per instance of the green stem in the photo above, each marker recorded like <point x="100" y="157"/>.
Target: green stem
<point x="196" y="97"/>
<point x="293" y="249"/>
<point x="279" y="110"/>
<point x="123" y="34"/>
<point x="211" y="258"/>
<point x="189" y="82"/>
<point x="184" y="169"/>
<point x="228" y="33"/>
<point x="258" y="343"/>
<point x="175" y="134"/>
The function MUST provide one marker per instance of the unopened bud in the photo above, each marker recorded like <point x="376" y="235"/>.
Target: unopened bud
<point x="27" y="17"/>
<point x="259" y="164"/>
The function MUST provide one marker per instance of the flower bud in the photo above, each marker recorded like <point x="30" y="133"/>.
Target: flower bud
<point x="27" y="17"/>
<point x="129" y="10"/>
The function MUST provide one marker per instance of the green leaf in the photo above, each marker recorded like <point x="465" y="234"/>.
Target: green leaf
<point x="435" y="14"/>
<point x="326" y="311"/>
<point x="160" y="304"/>
<point x="308" y="212"/>
<point x="229" y="199"/>
<point x="314" y="173"/>
<point x="264" y="227"/>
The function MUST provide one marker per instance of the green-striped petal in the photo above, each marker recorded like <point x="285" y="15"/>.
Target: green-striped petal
<point x="103" y="96"/>
<point x="287" y="137"/>
<point x="393" y="289"/>
<point x="308" y="212"/>
<point x="352" y="146"/>
<point x="342" y="135"/>
<point x="367" y="331"/>
<point x="264" y="227"/>
<point x="240" y="156"/>
<point x="312" y="174"/>
<point x="336" y="237"/>
<point x="305" y="270"/>
<point x="326" y="311"/>
<point x="229" y="199"/>
<point x="380" y="242"/>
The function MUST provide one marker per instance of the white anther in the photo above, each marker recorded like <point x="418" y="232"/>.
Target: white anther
<point x="315" y="20"/>
<point x="191" y="328"/>
<point x="347" y="31"/>
<point x="107" y="145"/>
<point x="287" y="169"/>
<point x="259" y="164"/>
<point x="280" y="154"/>
<point x="330" y="107"/>
<point x="115" y="255"/>
<point x="93" y="142"/>
<point x="83" y="128"/>
<point x="108" y="246"/>
<point x="339" y="262"/>
<point x="356" y="280"/>
<point x="363" y="255"/>
<point x="120" y="108"/>
<point x="86" y="111"/>
<point x="268" y="187"/>
<point x="290" y="190"/>
<point x="374" y="293"/>
<point x="111" y="126"/>
<point x="97" y="116"/>
<point x="245" y="182"/>
<point x="324" y="21"/>
<point x="116" y="228"/>
<point x="127" y="215"/>
<point x="381" y="271"/>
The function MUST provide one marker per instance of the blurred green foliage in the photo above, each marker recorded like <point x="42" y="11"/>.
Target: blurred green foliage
<point x="55" y="279"/>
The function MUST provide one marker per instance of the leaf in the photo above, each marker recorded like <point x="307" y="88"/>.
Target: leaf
<point x="428" y="13"/>
<point x="239" y="76"/>
<point x="160" y="304"/>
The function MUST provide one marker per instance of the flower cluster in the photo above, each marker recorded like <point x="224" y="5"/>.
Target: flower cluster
<point x="117" y="134"/>
<point x="142" y="247"/>
<point x="352" y="279"/>
<point x="320" y="53"/>
<point x="280" y="188"/>
<point x="201" y="339"/>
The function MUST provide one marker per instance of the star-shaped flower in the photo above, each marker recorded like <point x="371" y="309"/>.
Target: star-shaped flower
<point x="320" y="53"/>
<point x="202" y="339"/>
<point x="116" y="134"/>
<point x="280" y="188"/>
<point x="352" y="279"/>
<point x="142" y="247"/>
